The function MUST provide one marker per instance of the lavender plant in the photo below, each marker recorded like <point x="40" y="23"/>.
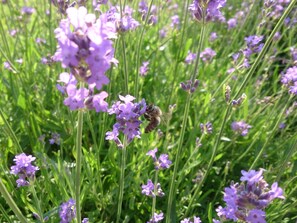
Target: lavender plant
<point x="75" y="132"/>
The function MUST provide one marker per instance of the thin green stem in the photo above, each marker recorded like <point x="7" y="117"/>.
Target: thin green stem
<point x="155" y="192"/>
<point x="177" y="59"/>
<point x="184" y="123"/>
<point x="11" y="133"/>
<point x="11" y="203"/>
<point x="201" y="40"/>
<point x="122" y="180"/>
<point x="172" y="189"/>
<point x="37" y="202"/>
<point x="136" y="84"/>
<point x="126" y="75"/>
<point x="228" y="110"/>
<point x="78" y="164"/>
<point x="268" y="139"/>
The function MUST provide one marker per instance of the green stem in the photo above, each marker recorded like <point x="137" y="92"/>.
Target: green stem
<point x="11" y="203"/>
<point x="249" y="74"/>
<point x="11" y="132"/>
<point x="177" y="160"/>
<point x="37" y="202"/>
<point x="177" y="59"/>
<point x="271" y="134"/>
<point x="136" y="84"/>
<point x="78" y="164"/>
<point x="122" y="180"/>
<point x="126" y="75"/>
<point x="155" y="192"/>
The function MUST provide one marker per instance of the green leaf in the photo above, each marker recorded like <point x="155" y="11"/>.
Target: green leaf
<point x="21" y="101"/>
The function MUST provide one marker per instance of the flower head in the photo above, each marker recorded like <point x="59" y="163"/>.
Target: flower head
<point x="127" y="115"/>
<point x="241" y="127"/>
<point x="23" y="168"/>
<point x="246" y="201"/>
<point x="67" y="211"/>
<point x="162" y="162"/>
<point x="210" y="9"/>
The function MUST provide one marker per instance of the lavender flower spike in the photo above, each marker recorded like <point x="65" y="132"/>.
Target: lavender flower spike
<point x="23" y="168"/>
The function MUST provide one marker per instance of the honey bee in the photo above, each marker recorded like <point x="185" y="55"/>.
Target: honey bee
<point x="153" y="115"/>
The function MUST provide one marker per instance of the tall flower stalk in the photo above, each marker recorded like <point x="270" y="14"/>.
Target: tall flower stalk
<point x="122" y="179"/>
<point x="78" y="163"/>
<point x="184" y="123"/>
<point x="11" y="203"/>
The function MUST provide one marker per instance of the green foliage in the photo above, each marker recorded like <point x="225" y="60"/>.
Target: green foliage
<point x="31" y="106"/>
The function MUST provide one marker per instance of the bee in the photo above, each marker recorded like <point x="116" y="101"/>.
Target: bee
<point x="153" y="115"/>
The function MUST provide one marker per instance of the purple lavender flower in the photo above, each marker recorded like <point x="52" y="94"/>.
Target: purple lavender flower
<point x="85" y="220"/>
<point x="122" y="23"/>
<point x="162" y="33"/>
<point x="207" y="54"/>
<point x="27" y="10"/>
<point x="23" y="168"/>
<point x="187" y="220"/>
<point x="254" y="45"/>
<point x="55" y="139"/>
<point x="13" y="32"/>
<point x="246" y="201"/>
<point x="293" y="54"/>
<point x="211" y="9"/>
<point x="88" y="50"/>
<point x="189" y="86"/>
<point x="206" y="128"/>
<point x="190" y="57"/>
<point x="7" y="65"/>
<point x="213" y="37"/>
<point x="175" y="21"/>
<point x="240" y="127"/>
<point x="144" y="68"/>
<point x="232" y="23"/>
<point x="67" y="211"/>
<point x="162" y="162"/>
<point x="289" y="79"/>
<point x="156" y="218"/>
<point x="149" y="189"/>
<point x="127" y="116"/>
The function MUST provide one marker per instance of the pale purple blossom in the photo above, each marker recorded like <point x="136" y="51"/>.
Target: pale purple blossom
<point x="149" y="189"/>
<point x="175" y="22"/>
<point x="190" y="57"/>
<point x="162" y="162"/>
<point x="241" y="127"/>
<point x="27" y="10"/>
<point x="213" y="36"/>
<point x="246" y="201"/>
<point x="207" y="55"/>
<point x="289" y="79"/>
<point x="127" y="116"/>
<point x="156" y="218"/>
<point x="67" y="211"/>
<point x="55" y="139"/>
<point x="213" y="8"/>
<point x="232" y="23"/>
<point x="23" y="169"/>
<point x="144" y="68"/>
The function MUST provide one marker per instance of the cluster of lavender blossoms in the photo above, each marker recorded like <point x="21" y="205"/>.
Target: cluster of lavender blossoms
<point x="240" y="127"/>
<point x="207" y="55"/>
<point x="160" y="163"/>
<point x="152" y="190"/>
<point x="289" y="79"/>
<point x="23" y="169"/>
<point x="246" y="201"/>
<point x="84" y="46"/>
<point x="67" y="211"/>
<point x="143" y="9"/>
<point x="187" y="220"/>
<point x="127" y="116"/>
<point x="209" y="9"/>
